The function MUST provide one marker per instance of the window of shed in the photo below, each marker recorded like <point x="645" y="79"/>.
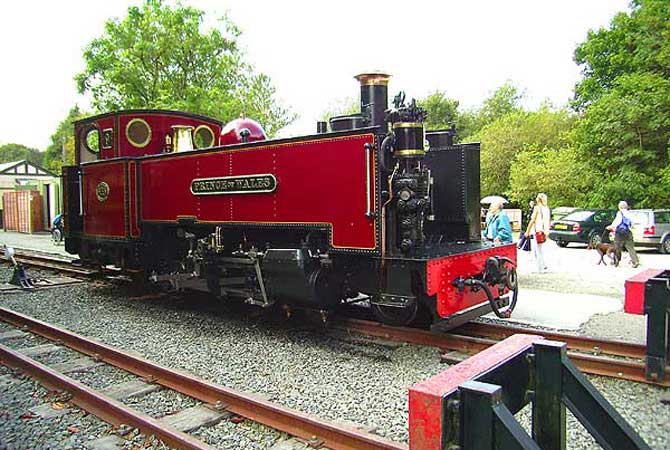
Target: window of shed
<point x="203" y="137"/>
<point x="138" y="133"/>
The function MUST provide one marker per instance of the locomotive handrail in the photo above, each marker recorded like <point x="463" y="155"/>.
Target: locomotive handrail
<point x="368" y="212"/>
<point x="81" y="194"/>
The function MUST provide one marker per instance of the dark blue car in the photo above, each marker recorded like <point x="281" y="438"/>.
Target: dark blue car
<point x="583" y="226"/>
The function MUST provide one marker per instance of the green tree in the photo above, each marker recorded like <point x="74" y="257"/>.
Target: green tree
<point x="634" y="42"/>
<point x="63" y="136"/>
<point x="504" y="100"/>
<point x="162" y="57"/>
<point x="516" y="132"/>
<point x="560" y="173"/>
<point x="442" y="110"/>
<point x="18" y="152"/>
<point x="625" y="101"/>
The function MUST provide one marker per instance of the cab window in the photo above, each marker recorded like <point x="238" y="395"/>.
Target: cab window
<point x="89" y="143"/>
<point x="203" y="137"/>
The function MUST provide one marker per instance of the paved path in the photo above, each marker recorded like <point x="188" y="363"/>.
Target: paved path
<point x="561" y="311"/>
<point x="39" y="241"/>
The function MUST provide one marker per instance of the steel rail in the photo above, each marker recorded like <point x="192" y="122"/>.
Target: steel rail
<point x="580" y="343"/>
<point x="50" y="262"/>
<point x="614" y="368"/>
<point x="446" y="342"/>
<point x="56" y="265"/>
<point x="100" y="405"/>
<point x="296" y="423"/>
<point x="595" y="365"/>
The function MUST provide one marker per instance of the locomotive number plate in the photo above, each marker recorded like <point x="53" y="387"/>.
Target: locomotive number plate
<point x="243" y="184"/>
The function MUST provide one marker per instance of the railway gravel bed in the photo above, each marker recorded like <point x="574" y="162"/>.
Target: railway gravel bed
<point x="19" y="430"/>
<point x="296" y="366"/>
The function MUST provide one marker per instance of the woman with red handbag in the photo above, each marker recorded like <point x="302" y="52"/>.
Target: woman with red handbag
<point x="538" y="228"/>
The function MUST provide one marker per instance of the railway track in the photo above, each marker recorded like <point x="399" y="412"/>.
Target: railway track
<point x="222" y="402"/>
<point x="614" y="359"/>
<point x="48" y="261"/>
<point x="610" y="358"/>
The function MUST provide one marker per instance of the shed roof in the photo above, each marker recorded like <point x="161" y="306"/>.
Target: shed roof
<point x="24" y="167"/>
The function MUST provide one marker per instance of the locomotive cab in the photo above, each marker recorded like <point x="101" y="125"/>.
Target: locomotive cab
<point x="100" y="190"/>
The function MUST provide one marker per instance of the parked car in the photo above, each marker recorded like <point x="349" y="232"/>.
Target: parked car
<point x="561" y="211"/>
<point x="651" y="228"/>
<point x="583" y="225"/>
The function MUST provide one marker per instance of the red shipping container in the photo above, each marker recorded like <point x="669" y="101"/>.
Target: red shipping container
<point x="22" y="211"/>
<point x="634" y="297"/>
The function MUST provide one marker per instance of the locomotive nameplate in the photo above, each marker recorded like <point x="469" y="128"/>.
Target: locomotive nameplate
<point x="243" y="184"/>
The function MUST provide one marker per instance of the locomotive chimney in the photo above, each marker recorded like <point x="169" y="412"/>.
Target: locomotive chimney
<point x="374" y="97"/>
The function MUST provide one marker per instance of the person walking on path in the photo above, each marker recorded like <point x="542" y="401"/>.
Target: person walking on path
<point x="538" y="228"/>
<point x="498" y="228"/>
<point x="623" y="236"/>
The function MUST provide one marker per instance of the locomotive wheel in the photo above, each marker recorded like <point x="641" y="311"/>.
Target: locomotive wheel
<point x="396" y="316"/>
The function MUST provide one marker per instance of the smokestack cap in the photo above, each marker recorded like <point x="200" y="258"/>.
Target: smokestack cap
<point x="373" y="78"/>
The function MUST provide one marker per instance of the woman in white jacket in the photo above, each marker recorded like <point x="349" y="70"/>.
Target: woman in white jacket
<point x="539" y="223"/>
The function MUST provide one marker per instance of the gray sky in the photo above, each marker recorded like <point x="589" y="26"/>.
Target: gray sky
<point x="312" y="49"/>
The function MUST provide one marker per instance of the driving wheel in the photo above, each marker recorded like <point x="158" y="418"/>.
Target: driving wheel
<point x="396" y="315"/>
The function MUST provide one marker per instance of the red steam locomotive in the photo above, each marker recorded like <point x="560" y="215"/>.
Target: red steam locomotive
<point x="375" y="210"/>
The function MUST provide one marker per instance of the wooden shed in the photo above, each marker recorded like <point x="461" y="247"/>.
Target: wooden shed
<point x="22" y="211"/>
<point x="27" y="176"/>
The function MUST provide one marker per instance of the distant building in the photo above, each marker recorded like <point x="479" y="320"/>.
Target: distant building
<point x="26" y="176"/>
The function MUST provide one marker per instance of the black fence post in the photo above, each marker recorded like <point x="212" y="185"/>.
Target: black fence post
<point x="656" y="307"/>
<point x="548" y="409"/>
<point x="477" y="402"/>
<point x="600" y="419"/>
<point x="486" y="423"/>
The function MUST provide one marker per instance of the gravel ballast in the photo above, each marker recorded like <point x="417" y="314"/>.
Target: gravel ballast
<point x="20" y="430"/>
<point x="288" y="364"/>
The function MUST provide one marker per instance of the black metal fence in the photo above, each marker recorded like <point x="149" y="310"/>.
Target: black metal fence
<point x="480" y="414"/>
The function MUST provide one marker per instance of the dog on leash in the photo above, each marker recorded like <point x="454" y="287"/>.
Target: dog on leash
<point x="603" y="250"/>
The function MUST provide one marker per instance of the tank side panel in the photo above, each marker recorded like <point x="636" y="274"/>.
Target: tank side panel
<point x="105" y="215"/>
<point x="320" y="182"/>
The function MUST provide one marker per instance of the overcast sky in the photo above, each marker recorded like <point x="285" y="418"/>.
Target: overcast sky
<point x="311" y="50"/>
